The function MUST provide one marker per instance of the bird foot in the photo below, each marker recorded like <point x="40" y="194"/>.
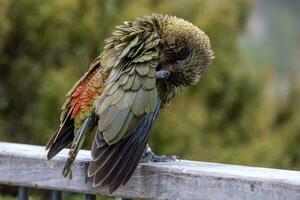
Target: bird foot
<point x="149" y="156"/>
<point x="163" y="158"/>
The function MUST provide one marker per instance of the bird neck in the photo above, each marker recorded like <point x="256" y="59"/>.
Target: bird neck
<point x="166" y="92"/>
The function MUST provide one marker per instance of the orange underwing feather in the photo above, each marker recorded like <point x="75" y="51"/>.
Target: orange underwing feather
<point x="86" y="91"/>
<point x="80" y="103"/>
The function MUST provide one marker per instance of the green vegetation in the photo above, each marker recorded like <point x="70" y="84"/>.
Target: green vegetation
<point x="234" y="115"/>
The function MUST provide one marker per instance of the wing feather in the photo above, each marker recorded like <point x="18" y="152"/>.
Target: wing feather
<point x="128" y="105"/>
<point x="113" y="165"/>
<point x="78" y="103"/>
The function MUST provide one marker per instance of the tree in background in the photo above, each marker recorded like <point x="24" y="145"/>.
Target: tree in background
<point x="230" y="116"/>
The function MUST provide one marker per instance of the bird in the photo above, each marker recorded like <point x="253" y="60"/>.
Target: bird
<point x="141" y="67"/>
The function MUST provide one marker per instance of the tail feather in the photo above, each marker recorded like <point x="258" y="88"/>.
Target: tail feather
<point x="127" y="158"/>
<point x="114" y="164"/>
<point x="109" y="154"/>
<point x="61" y="139"/>
<point x="87" y="127"/>
<point x="137" y="158"/>
<point x="124" y="173"/>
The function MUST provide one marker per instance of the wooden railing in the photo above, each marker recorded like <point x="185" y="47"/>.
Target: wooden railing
<point x="26" y="166"/>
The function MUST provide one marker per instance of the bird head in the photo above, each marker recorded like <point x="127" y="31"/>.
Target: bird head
<point x="185" y="51"/>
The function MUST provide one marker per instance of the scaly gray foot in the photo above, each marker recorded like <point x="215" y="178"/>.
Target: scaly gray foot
<point x="149" y="156"/>
<point x="163" y="158"/>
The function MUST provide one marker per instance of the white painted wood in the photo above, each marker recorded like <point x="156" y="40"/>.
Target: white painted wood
<point x="26" y="165"/>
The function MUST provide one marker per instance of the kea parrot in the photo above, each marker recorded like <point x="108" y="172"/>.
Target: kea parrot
<point x="137" y="74"/>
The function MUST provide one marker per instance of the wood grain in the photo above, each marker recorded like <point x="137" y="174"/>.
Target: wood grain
<point x="26" y="165"/>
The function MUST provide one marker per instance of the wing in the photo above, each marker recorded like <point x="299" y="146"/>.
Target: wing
<point x="127" y="107"/>
<point x="81" y="97"/>
<point x="78" y="105"/>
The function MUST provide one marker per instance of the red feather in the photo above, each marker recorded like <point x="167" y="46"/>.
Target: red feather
<point x="86" y="92"/>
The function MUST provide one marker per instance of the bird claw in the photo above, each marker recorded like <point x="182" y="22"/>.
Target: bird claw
<point x="164" y="158"/>
<point x="149" y="156"/>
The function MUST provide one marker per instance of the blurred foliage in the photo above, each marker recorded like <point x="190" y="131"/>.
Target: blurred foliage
<point x="234" y="115"/>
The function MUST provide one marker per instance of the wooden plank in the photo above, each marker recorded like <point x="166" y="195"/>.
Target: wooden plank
<point x="26" y="165"/>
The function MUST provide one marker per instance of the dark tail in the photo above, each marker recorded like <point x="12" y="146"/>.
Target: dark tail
<point x="113" y="165"/>
<point x="63" y="137"/>
<point x="86" y="128"/>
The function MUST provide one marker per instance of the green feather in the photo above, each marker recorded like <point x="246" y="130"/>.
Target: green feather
<point x="130" y="90"/>
<point x="114" y="129"/>
<point x="142" y="69"/>
<point x="78" y="140"/>
<point x="148" y="83"/>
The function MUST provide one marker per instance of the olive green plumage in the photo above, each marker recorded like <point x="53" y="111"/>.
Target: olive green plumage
<point x="129" y="95"/>
<point x="131" y="55"/>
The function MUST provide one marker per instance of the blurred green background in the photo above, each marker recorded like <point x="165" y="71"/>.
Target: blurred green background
<point x="245" y="109"/>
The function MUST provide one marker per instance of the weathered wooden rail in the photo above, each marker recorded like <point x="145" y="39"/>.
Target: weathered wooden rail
<point x="26" y="165"/>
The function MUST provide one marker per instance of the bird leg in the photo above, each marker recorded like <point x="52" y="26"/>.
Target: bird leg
<point x="149" y="156"/>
